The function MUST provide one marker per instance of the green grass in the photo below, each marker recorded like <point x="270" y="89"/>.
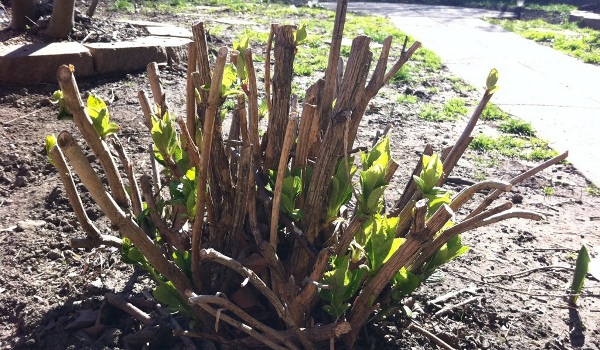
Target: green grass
<point x="593" y="190"/>
<point x="533" y="149"/>
<point x="460" y="87"/>
<point x="429" y="59"/>
<point x="404" y="74"/>
<point x="582" y="43"/>
<point x="123" y="5"/>
<point x="493" y="112"/>
<point x="453" y="109"/>
<point x="548" y="191"/>
<point x="517" y="127"/>
<point x="510" y="5"/>
<point x="409" y="99"/>
<point x="431" y="113"/>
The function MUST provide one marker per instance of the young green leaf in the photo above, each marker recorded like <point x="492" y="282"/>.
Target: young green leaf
<point x="58" y="99"/>
<point x="581" y="269"/>
<point x="342" y="285"/>
<point x="492" y="79"/>
<point x="50" y="143"/>
<point x="340" y="188"/>
<point x="300" y="34"/>
<point x="183" y="260"/>
<point x="290" y="190"/>
<point x="240" y="65"/>
<point x="98" y="112"/>
<point x="452" y="249"/>
<point x="379" y="231"/>
<point x="404" y="284"/>
<point x="166" y="294"/>
<point x="432" y="171"/>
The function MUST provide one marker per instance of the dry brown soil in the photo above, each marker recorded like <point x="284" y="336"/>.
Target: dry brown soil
<point x="52" y="296"/>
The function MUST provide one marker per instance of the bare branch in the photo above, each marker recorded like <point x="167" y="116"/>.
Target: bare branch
<point x="518" y="179"/>
<point x="251" y="321"/>
<point x="136" y="199"/>
<point x="68" y="85"/>
<point x="211" y="254"/>
<point x="67" y="179"/>
<point x="209" y="122"/>
<point x="288" y="141"/>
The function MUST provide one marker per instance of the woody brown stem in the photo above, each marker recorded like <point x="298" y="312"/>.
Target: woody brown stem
<point x="67" y="179"/>
<point x="284" y="51"/>
<point x="251" y="321"/>
<point x="117" y="216"/>
<point x="68" y="85"/>
<point x="518" y="179"/>
<point x="190" y="97"/>
<point x="429" y="250"/>
<point x="290" y="136"/>
<point x="422" y="232"/>
<point x="464" y="139"/>
<point x="211" y="254"/>
<point x="332" y="64"/>
<point x="136" y="198"/>
<point x="172" y="238"/>
<point x="253" y="107"/>
<point x="158" y="93"/>
<point x="317" y="333"/>
<point x="209" y="122"/>
<point x="146" y="108"/>
<point x="267" y="80"/>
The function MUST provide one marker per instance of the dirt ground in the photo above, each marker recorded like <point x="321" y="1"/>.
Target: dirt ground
<point x="512" y="283"/>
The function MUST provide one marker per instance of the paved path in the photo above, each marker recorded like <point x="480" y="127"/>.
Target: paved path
<point x="558" y="94"/>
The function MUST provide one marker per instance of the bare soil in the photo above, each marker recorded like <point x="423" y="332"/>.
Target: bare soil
<point x="53" y="296"/>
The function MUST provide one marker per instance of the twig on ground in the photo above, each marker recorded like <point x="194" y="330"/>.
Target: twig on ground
<point x="442" y="344"/>
<point x="545" y="249"/>
<point x="211" y="254"/>
<point x="529" y="271"/>
<point x="459" y="180"/>
<point x="471" y="290"/>
<point x="446" y="310"/>
<point x="318" y="333"/>
<point x="129" y="308"/>
<point x="251" y="321"/>
<point x="242" y="327"/>
<point x="177" y="329"/>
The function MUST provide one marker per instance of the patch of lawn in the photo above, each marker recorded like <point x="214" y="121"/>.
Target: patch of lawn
<point x="582" y="43"/>
<point x="429" y="59"/>
<point x="409" y="99"/>
<point x="533" y="149"/>
<point x="453" y="109"/>
<point x="517" y="127"/>
<point x="493" y="112"/>
<point x="460" y="87"/>
<point x="593" y="190"/>
<point x="430" y="113"/>
<point x="123" y="5"/>
<point x="404" y="74"/>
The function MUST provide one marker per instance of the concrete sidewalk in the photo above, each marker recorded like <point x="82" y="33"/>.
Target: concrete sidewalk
<point x="557" y="94"/>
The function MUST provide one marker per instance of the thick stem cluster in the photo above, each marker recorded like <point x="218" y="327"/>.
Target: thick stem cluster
<point x="235" y="222"/>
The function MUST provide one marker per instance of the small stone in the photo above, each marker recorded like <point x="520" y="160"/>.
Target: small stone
<point x="517" y="199"/>
<point x="29" y="225"/>
<point x="20" y="181"/>
<point x="54" y="254"/>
